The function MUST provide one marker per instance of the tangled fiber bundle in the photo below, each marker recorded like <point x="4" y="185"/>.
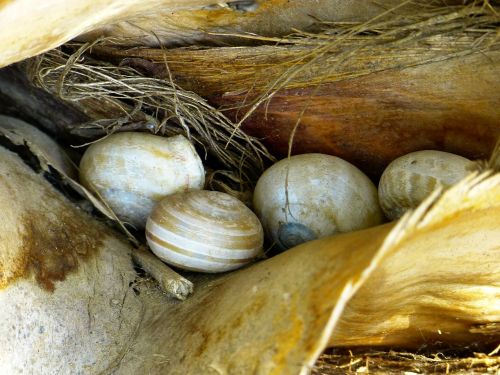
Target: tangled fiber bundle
<point x="126" y="100"/>
<point x="375" y="361"/>
<point x="340" y="51"/>
<point x="349" y="50"/>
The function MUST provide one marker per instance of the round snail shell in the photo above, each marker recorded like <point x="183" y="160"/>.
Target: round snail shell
<point x="311" y="196"/>
<point x="132" y="171"/>
<point x="408" y="180"/>
<point x="206" y="231"/>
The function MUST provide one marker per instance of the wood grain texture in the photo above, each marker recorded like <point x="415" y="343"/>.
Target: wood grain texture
<point x="217" y="24"/>
<point x="30" y="27"/>
<point x="451" y="105"/>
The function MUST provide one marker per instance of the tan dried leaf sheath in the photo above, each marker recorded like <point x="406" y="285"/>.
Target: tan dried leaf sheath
<point x="65" y="300"/>
<point x="30" y="27"/>
<point x="440" y="276"/>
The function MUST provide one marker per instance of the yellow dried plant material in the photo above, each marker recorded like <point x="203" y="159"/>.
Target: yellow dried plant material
<point x="64" y="281"/>
<point x="238" y="21"/>
<point x="30" y="27"/>
<point x="25" y="33"/>
<point x="434" y="270"/>
<point x="440" y="275"/>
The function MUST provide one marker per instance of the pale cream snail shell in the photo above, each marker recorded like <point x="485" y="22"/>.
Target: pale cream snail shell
<point x="205" y="231"/>
<point x="409" y="179"/>
<point x="314" y="195"/>
<point x="132" y="171"/>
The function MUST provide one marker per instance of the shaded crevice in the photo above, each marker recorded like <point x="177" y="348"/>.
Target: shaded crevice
<point x="23" y="151"/>
<point x="31" y="160"/>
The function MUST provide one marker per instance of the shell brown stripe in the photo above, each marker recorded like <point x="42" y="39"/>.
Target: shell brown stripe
<point x="158" y="241"/>
<point x="246" y="226"/>
<point x="171" y="223"/>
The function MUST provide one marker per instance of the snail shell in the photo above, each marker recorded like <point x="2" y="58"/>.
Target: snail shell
<point x="408" y="180"/>
<point x="314" y="195"/>
<point x="206" y="231"/>
<point x="132" y="171"/>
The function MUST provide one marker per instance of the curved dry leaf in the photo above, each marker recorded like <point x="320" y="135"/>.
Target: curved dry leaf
<point x="23" y="134"/>
<point x="440" y="275"/>
<point x="48" y="153"/>
<point x="25" y="33"/>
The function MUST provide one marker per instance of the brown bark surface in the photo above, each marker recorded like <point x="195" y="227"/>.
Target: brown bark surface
<point x="451" y="105"/>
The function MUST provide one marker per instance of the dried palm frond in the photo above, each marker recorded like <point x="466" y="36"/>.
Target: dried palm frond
<point x="367" y="91"/>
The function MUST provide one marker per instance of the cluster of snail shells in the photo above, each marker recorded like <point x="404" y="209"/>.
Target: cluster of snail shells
<point x="408" y="180"/>
<point x="206" y="231"/>
<point x="132" y="171"/>
<point x="310" y="196"/>
<point x="153" y="181"/>
<point x="298" y="199"/>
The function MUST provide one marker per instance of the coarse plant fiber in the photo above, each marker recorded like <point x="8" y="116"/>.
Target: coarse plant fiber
<point x="263" y="84"/>
<point x="162" y="107"/>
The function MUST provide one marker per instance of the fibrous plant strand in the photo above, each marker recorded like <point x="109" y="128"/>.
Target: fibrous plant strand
<point x="166" y="108"/>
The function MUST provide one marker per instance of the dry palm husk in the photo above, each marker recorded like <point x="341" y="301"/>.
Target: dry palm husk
<point x="432" y="276"/>
<point x="368" y="92"/>
<point x="223" y="23"/>
<point x="276" y="316"/>
<point x="25" y="33"/>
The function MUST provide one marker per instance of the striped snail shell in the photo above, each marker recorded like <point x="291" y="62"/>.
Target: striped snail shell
<point x="408" y="180"/>
<point x="205" y="231"/>
<point x="314" y="195"/>
<point x="132" y="171"/>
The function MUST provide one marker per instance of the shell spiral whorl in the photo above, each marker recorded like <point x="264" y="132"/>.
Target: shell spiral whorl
<point x="204" y="231"/>
<point x="408" y="180"/>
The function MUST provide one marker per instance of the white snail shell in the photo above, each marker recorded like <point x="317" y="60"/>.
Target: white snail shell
<point x="408" y="180"/>
<point x="205" y="231"/>
<point x="132" y="171"/>
<point x="311" y="196"/>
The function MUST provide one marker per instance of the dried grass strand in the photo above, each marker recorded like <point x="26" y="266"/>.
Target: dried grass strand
<point x="348" y="50"/>
<point x="170" y="109"/>
<point x="394" y="361"/>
